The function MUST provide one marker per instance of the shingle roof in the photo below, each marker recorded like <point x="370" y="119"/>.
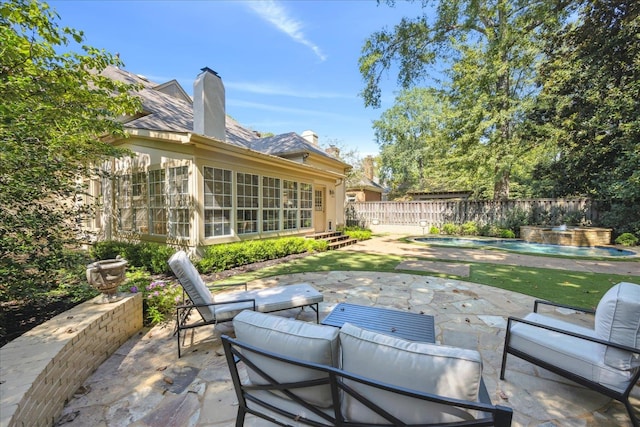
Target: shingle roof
<point x="285" y="144"/>
<point x="362" y="182"/>
<point x="163" y="112"/>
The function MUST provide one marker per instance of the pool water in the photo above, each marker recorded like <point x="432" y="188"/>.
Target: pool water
<point x="528" y="247"/>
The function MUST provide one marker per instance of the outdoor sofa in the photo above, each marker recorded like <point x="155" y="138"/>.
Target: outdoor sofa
<point x="223" y="307"/>
<point x="605" y="358"/>
<point x="301" y="373"/>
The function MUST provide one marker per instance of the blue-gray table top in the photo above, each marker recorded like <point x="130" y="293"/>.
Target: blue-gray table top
<point x="401" y="324"/>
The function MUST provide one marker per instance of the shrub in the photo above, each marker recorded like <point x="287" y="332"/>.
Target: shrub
<point x="506" y="233"/>
<point x="469" y="228"/>
<point x="450" y="228"/>
<point x="108" y="249"/>
<point x="228" y="255"/>
<point x="434" y="230"/>
<point x="514" y="219"/>
<point x="152" y="256"/>
<point x="627" y="239"/>
<point x="159" y="297"/>
<point x="489" y="230"/>
<point x="358" y="233"/>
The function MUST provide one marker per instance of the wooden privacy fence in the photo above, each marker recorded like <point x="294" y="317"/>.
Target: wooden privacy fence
<point x="439" y="212"/>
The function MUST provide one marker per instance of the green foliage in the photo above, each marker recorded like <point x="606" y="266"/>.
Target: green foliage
<point x="70" y="279"/>
<point x="152" y="256"/>
<point x="588" y="107"/>
<point x="622" y="216"/>
<point x="434" y="230"/>
<point x="54" y="109"/>
<point x="469" y="228"/>
<point x="450" y="229"/>
<point x="358" y="233"/>
<point x="225" y="256"/>
<point x="412" y="146"/>
<point x="489" y="51"/>
<point x="514" y="219"/>
<point x="489" y="230"/>
<point x="159" y="297"/>
<point x="627" y="239"/>
<point x="505" y="233"/>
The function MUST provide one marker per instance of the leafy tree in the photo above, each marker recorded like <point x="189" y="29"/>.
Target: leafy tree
<point x="412" y="142"/>
<point x="589" y="106"/>
<point x="54" y="107"/>
<point x="490" y="49"/>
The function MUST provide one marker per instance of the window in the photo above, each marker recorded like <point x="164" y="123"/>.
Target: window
<point x="178" y="196"/>
<point x="270" y="204"/>
<point x="248" y="200"/>
<point x="217" y="202"/>
<point x="319" y="201"/>
<point x="306" y="205"/>
<point x="290" y="202"/>
<point x="157" y="200"/>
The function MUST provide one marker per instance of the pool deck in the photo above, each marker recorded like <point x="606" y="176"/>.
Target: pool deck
<point x="393" y="245"/>
<point x="144" y="384"/>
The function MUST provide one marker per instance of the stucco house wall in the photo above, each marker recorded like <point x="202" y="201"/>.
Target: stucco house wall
<point x="227" y="184"/>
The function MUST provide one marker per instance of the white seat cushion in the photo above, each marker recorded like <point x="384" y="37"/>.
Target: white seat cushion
<point x="618" y="320"/>
<point x="267" y="300"/>
<point x="582" y="357"/>
<point x="442" y="370"/>
<point x="305" y="341"/>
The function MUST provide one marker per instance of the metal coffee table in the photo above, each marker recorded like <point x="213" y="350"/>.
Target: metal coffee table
<point x="401" y="324"/>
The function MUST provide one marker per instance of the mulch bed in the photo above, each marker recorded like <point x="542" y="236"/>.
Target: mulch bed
<point x="18" y="317"/>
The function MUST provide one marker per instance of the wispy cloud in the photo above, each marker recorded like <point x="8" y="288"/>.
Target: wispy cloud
<point x="277" y="15"/>
<point x="277" y="90"/>
<point x="289" y="110"/>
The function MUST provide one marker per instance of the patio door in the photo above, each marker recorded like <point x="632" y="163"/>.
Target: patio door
<point x="319" y="207"/>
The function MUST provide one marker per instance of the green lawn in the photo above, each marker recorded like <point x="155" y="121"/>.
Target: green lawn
<point x="581" y="289"/>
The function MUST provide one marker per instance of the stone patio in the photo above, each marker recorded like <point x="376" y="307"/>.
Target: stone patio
<point x="145" y="384"/>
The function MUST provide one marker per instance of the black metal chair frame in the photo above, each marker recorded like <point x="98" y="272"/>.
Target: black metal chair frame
<point x="183" y="312"/>
<point x="237" y="352"/>
<point x="622" y="397"/>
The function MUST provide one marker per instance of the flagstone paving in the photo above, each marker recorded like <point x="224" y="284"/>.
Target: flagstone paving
<point x="145" y="384"/>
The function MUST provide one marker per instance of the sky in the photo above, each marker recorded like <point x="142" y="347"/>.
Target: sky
<point x="287" y="66"/>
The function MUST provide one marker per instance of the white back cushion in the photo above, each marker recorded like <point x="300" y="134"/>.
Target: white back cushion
<point x="292" y="338"/>
<point x="442" y="370"/>
<point x="618" y="320"/>
<point x="192" y="283"/>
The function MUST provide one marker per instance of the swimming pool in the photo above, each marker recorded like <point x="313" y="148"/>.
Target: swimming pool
<point x="528" y="247"/>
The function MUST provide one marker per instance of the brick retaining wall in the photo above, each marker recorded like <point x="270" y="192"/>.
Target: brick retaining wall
<point x="43" y="368"/>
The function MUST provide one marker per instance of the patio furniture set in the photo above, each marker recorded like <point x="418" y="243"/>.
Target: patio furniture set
<point x="374" y="366"/>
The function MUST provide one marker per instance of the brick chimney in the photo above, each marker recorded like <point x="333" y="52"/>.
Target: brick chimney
<point x="367" y="166"/>
<point x="209" y="114"/>
<point x="333" y="151"/>
<point x="310" y="136"/>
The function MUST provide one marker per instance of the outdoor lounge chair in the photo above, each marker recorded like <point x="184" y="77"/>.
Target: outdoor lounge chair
<point x="223" y="307"/>
<point x="605" y="358"/>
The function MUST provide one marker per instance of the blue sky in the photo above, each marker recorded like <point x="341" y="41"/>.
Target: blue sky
<point x="286" y="65"/>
